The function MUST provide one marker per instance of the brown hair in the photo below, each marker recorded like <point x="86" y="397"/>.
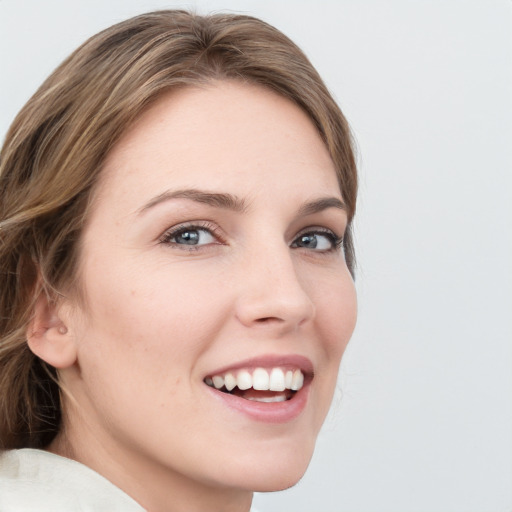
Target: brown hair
<point x="53" y="155"/>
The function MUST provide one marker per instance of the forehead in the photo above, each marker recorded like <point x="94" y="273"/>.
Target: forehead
<point x="223" y="135"/>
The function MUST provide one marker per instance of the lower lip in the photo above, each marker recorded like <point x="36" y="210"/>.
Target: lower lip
<point x="273" y="412"/>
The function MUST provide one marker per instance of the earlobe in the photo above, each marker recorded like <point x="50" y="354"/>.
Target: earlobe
<point x="48" y="336"/>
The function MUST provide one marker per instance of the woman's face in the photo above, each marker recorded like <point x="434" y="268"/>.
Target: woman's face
<point x="212" y="255"/>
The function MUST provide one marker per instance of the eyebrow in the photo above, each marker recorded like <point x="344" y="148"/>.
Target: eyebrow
<point x="217" y="200"/>
<point x="321" y="204"/>
<point x="236" y="204"/>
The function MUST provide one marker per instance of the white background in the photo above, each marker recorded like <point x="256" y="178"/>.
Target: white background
<point x="423" y="421"/>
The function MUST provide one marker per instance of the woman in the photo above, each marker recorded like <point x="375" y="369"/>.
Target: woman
<point x="177" y="262"/>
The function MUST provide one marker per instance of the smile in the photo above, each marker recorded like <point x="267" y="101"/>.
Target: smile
<point x="270" y="388"/>
<point x="260" y="384"/>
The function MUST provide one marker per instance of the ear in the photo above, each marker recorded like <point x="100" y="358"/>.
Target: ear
<point x="48" y="335"/>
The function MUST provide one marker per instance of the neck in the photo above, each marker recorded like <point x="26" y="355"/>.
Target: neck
<point x="155" y="487"/>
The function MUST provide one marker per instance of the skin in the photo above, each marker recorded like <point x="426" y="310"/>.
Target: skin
<point x="159" y="316"/>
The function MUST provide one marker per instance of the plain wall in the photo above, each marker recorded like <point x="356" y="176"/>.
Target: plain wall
<point x="423" y="418"/>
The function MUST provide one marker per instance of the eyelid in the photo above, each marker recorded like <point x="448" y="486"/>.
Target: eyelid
<point x="318" y="229"/>
<point x="336" y="239"/>
<point x="215" y="231"/>
<point x="173" y="231"/>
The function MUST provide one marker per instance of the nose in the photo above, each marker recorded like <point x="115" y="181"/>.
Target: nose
<point x="271" y="293"/>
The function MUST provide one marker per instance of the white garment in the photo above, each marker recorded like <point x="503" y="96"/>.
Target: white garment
<point x="39" y="481"/>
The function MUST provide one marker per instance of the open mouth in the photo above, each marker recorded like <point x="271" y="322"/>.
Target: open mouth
<point x="268" y="385"/>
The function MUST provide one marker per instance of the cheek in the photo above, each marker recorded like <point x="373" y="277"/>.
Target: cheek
<point x="337" y="313"/>
<point x="143" y="315"/>
<point x="336" y="318"/>
<point x="138" y="347"/>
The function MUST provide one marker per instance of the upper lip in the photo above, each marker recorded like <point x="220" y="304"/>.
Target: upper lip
<point x="291" y="361"/>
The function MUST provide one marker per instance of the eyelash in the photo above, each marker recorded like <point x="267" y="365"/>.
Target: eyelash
<point x="336" y="241"/>
<point x="168" y="236"/>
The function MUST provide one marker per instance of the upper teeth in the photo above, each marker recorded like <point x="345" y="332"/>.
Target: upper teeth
<point x="261" y="379"/>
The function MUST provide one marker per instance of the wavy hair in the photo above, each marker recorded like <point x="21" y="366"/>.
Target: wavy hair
<point x="55" y="149"/>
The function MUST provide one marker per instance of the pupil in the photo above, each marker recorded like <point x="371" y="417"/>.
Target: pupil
<point x="309" y="241"/>
<point x="189" y="237"/>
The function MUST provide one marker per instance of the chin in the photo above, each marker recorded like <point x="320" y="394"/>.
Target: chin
<point x="276" y="470"/>
<point x="279" y="482"/>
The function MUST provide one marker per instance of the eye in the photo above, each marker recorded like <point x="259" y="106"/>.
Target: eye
<point x="191" y="236"/>
<point x="321" y="241"/>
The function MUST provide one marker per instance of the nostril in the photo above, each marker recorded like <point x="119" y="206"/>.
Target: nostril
<point x="268" y="319"/>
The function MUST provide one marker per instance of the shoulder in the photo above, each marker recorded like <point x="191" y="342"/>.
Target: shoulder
<point x="35" y="480"/>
